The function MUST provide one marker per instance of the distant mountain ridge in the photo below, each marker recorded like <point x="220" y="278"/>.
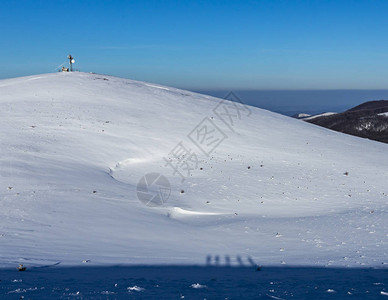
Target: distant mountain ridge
<point x="366" y="120"/>
<point x="371" y="105"/>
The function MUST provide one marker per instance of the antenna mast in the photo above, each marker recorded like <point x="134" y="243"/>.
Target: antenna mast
<point x="71" y="62"/>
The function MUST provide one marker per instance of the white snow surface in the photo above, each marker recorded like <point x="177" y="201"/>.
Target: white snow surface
<point x="302" y="116"/>
<point x="320" y="115"/>
<point x="75" y="145"/>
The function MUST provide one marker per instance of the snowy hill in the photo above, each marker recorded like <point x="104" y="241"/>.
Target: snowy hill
<point x="262" y="188"/>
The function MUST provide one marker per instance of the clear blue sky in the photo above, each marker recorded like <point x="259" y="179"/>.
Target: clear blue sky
<point x="203" y="44"/>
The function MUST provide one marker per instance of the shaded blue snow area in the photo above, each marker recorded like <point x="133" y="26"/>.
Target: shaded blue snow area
<point x="193" y="282"/>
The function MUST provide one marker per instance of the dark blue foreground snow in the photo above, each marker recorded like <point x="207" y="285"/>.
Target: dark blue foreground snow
<point x="193" y="282"/>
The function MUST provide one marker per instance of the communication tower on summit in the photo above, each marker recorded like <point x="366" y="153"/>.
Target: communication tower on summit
<point x="71" y="62"/>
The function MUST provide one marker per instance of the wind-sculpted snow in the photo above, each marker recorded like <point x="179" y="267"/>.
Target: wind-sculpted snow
<point x="262" y="189"/>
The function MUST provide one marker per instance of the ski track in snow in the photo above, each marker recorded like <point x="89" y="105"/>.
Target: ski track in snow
<point x="157" y="87"/>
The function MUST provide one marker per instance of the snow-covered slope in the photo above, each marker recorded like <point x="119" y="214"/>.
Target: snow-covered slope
<point x="319" y="115"/>
<point x="274" y="191"/>
<point x="301" y="116"/>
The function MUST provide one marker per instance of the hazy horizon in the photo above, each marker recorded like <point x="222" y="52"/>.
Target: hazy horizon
<point x="289" y="102"/>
